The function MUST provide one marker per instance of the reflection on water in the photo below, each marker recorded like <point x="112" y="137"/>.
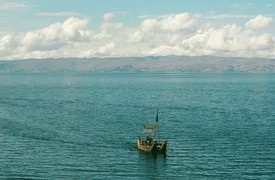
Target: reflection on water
<point x="151" y="155"/>
<point x="153" y="164"/>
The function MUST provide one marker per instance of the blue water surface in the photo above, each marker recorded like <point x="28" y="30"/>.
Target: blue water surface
<point x="85" y="126"/>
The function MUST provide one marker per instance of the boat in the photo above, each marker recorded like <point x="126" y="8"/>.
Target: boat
<point x="150" y="144"/>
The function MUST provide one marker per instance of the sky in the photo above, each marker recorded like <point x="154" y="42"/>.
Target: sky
<point x="136" y="28"/>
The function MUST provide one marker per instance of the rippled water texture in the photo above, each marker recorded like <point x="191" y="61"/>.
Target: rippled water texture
<point x="85" y="126"/>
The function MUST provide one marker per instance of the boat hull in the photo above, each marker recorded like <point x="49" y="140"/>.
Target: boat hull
<point x="153" y="148"/>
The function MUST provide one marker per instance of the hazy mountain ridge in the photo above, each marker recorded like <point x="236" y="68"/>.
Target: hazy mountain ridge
<point x="141" y="64"/>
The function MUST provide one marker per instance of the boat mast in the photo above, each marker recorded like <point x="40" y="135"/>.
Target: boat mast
<point x="157" y="125"/>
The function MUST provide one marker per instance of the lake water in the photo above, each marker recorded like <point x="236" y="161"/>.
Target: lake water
<point x="85" y="126"/>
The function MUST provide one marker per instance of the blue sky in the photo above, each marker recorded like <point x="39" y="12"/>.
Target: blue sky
<point x="107" y="28"/>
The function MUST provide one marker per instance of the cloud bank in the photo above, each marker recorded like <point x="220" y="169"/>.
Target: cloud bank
<point x="173" y="34"/>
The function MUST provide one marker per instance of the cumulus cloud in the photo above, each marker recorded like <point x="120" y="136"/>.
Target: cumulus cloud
<point x="107" y="49"/>
<point x="56" y="35"/>
<point x="6" y="44"/>
<point x="173" y="34"/>
<point x="51" y="40"/>
<point x="164" y="30"/>
<point x="194" y="38"/>
<point x="108" y="16"/>
<point x="134" y="37"/>
<point x="177" y="22"/>
<point x="229" y="40"/>
<point x="169" y="23"/>
<point x="259" y="22"/>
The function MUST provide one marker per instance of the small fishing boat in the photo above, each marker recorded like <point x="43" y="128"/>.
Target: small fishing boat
<point x="150" y="144"/>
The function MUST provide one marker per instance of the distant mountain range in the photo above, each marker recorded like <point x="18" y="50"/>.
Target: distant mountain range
<point x="140" y="64"/>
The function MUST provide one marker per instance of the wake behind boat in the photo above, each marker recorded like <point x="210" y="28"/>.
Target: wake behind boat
<point x="149" y="144"/>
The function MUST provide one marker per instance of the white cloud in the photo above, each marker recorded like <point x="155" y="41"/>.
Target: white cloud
<point x="165" y="29"/>
<point x="177" y="22"/>
<point x="108" y="16"/>
<point x="229" y="40"/>
<point x="12" y="5"/>
<point x="107" y="49"/>
<point x="55" y="40"/>
<point x="73" y="27"/>
<point x="169" y="23"/>
<point x="259" y="22"/>
<point x="134" y="37"/>
<point x="6" y="44"/>
<point x="56" y="35"/>
<point x="174" y="34"/>
<point x="162" y="50"/>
